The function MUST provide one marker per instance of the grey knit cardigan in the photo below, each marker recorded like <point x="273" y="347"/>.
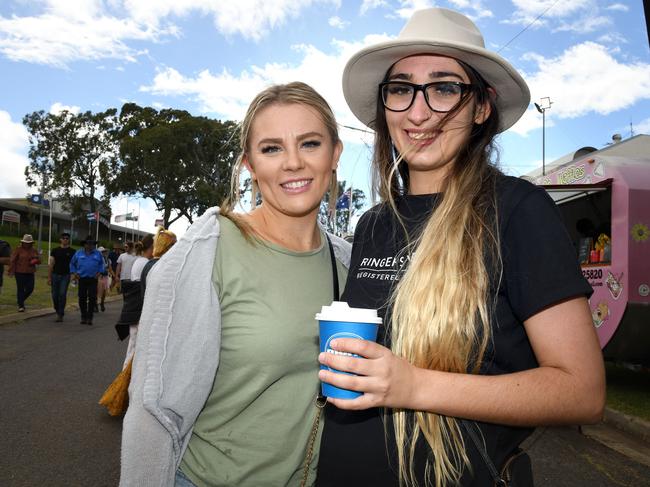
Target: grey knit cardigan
<point x="177" y="354"/>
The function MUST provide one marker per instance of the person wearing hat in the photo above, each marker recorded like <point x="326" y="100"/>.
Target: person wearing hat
<point x="59" y="274"/>
<point x="22" y="265"/>
<point x="86" y="267"/>
<point x="485" y="308"/>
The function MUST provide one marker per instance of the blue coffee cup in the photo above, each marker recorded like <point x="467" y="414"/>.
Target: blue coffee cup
<point x="340" y="321"/>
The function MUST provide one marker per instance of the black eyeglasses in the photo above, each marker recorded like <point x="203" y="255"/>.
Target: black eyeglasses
<point x="441" y="96"/>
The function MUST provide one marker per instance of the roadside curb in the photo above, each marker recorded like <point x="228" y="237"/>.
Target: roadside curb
<point x="632" y="425"/>
<point x="17" y="317"/>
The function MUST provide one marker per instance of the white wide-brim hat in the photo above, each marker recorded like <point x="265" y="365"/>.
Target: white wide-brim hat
<point x="27" y="238"/>
<point x="442" y="32"/>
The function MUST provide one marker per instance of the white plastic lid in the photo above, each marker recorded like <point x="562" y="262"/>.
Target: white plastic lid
<point x="340" y="311"/>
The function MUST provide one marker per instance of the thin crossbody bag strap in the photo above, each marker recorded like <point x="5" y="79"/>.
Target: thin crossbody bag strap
<point x="474" y="434"/>
<point x="320" y="399"/>
<point x="335" y="273"/>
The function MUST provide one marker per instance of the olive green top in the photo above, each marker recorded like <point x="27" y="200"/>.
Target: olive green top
<point x="256" y="422"/>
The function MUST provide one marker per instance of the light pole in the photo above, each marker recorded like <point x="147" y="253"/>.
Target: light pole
<point x="544" y="104"/>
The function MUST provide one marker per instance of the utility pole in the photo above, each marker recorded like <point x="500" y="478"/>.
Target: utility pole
<point x="544" y="104"/>
<point x="40" y="207"/>
<point x="49" y="240"/>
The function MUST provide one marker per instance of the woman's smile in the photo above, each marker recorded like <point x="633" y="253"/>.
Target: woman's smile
<point x="297" y="185"/>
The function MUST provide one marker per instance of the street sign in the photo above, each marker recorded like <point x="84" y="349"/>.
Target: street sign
<point x="159" y="222"/>
<point x="38" y="199"/>
<point x="10" y="216"/>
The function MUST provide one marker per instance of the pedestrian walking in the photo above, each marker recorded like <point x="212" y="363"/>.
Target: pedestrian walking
<point x="22" y="265"/>
<point x="127" y="324"/>
<point x="104" y="281"/>
<point x="124" y="264"/>
<point x="87" y="266"/>
<point x="162" y="242"/>
<point x="5" y="258"/>
<point x="59" y="274"/>
<point x="113" y="255"/>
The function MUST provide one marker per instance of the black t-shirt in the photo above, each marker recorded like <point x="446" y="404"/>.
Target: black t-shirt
<point x="5" y="251"/>
<point x="62" y="258"/>
<point x="539" y="269"/>
<point x="143" y="277"/>
<point x="112" y="257"/>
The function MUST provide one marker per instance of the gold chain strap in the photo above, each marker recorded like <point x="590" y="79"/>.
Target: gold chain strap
<point x="320" y="404"/>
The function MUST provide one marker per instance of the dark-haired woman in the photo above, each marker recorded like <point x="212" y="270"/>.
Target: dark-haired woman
<point x="487" y="320"/>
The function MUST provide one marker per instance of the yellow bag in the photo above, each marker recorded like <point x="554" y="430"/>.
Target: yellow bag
<point x="116" y="396"/>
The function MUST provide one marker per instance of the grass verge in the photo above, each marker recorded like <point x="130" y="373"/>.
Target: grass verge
<point x="628" y="389"/>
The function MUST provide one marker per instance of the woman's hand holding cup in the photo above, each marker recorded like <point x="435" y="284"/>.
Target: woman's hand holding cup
<point x="384" y="379"/>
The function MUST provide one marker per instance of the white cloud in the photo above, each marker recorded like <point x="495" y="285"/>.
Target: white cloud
<point x="530" y="120"/>
<point x="371" y="4"/>
<point x="612" y="38"/>
<point x="585" y="25"/>
<point x="59" y="37"/>
<point x="14" y="144"/>
<point x="73" y="30"/>
<point x="585" y="79"/>
<point x="533" y="8"/>
<point x="58" y="107"/>
<point x="643" y="127"/>
<point x="338" y="22"/>
<point x="410" y="6"/>
<point x="251" y="19"/>
<point x="527" y="11"/>
<point x="475" y="7"/>
<point x="619" y="7"/>
<point x="228" y="94"/>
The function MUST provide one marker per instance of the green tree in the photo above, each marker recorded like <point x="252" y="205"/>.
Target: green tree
<point x="179" y="161"/>
<point x="340" y="225"/>
<point x="71" y="155"/>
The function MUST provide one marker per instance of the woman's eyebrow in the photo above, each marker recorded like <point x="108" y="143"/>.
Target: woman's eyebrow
<point x="280" y="140"/>
<point x="269" y="140"/>
<point x="445" y="74"/>
<point x="432" y="75"/>
<point x="308" y="135"/>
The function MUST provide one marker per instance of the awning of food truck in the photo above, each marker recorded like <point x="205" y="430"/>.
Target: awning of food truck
<point x="563" y="193"/>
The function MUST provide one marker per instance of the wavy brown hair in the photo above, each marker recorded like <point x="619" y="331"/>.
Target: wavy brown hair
<point x="440" y="317"/>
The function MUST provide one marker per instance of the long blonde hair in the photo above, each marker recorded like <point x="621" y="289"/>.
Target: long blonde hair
<point x="287" y="94"/>
<point x="440" y="307"/>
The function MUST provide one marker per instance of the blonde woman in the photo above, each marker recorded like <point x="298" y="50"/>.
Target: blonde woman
<point x="224" y="375"/>
<point x="162" y="242"/>
<point x="487" y="319"/>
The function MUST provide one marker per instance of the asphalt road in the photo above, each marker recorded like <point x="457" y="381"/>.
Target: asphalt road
<point x="53" y="433"/>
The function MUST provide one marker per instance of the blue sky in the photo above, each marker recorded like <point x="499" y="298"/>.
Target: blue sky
<point x="210" y="57"/>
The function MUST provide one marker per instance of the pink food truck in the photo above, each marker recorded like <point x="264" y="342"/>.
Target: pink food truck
<point x="605" y="203"/>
